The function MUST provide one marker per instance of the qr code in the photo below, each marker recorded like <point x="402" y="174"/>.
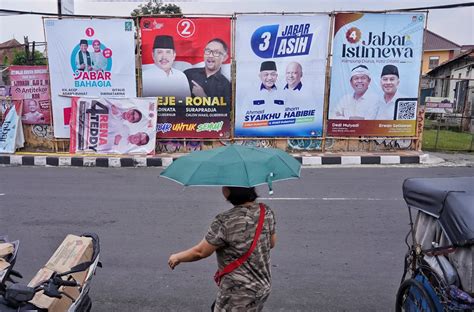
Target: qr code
<point x="406" y="110"/>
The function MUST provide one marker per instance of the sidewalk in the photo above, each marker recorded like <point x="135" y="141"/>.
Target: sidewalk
<point x="163" y="160"/>
<point x="306" y="159"/>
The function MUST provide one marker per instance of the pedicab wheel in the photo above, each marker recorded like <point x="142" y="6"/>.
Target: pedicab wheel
<point x="412" y="296"/>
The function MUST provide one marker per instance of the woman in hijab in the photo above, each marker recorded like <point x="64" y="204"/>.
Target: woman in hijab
<point x="99" y="62"/>
<point x="243" y="286"/>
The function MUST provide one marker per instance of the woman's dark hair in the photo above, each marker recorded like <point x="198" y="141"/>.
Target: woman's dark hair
<point x="241" y="195"/>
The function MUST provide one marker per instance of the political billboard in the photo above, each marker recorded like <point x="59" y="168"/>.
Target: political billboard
<point x="186" y="65"/>
<point x="11" y="129"/>
<point x="30" y="85"/>
<point x="113" y="126"/>
<point x="375" y="74"/>
<point x="280" y="80"/>
<point x="93" y="57"/>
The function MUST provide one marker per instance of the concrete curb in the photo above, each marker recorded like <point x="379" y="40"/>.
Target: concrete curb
<point x="118" y="162"/>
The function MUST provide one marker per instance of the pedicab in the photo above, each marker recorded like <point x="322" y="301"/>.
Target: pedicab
<point x="438" y="271"/>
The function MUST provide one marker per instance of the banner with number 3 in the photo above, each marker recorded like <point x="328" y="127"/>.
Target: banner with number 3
<point x="281" y="62"/>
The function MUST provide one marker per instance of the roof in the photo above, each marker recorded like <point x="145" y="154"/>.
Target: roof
<point x="434" y="42"/>
<point x="13" y="43"/>
<point x="469" y="53"/>
<point x="466" y="47"/>
<point x="8" y="49"/>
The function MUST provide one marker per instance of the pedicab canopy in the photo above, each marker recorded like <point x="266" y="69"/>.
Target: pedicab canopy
<point x="449" y="200"/>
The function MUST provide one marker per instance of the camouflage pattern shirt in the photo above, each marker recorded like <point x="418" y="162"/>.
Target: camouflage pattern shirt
<point x="248" y="286"/>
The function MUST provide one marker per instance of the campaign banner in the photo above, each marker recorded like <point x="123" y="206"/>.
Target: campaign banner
<point x="280" y="81"/>
<point x="11" y="130"/>
<point x="186" y="63"/>
<point x="93" y="57"/>
<point x="113" y="126"/>
<point x="375" y="74"/>
<point x="5" y="98"/>
<point x="439" y="105"/>
<point x="30" y="84"/>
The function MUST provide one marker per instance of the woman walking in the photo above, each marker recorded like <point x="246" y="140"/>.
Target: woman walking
<point x="242" y="238"/>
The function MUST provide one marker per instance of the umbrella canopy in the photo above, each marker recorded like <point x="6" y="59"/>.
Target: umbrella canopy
<point x="233" y="165"/>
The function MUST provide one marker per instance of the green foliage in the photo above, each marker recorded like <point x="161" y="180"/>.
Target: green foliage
<point x="20" y="59"/>
<point x="5" y="60"/>
<point x="156" y="8"/>
<point x="447" y="140"/>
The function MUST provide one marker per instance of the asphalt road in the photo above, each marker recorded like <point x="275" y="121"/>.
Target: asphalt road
<point x="340" y="234"/>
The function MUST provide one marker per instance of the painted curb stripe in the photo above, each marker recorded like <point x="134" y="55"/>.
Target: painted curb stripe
<point x="29" y="160"/>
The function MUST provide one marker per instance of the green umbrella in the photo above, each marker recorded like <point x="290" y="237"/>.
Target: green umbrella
<point x="233" y="165"/>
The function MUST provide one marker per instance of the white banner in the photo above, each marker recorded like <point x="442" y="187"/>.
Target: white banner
<point x="11" y="130"/>
<point x="375" y="74"/>
<point x="281" y="64"/>
<point x="88" y="58"/>
<point x="113" y="126"/>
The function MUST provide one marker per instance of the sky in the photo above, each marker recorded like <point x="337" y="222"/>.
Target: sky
<point x="456" y="25"/>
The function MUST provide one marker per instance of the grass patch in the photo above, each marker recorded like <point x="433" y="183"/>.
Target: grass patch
<point x="447" y="140"/>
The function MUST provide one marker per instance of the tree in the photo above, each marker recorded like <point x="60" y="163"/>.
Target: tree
<point x="155" y="7"/>
<point x="20" y="58"/>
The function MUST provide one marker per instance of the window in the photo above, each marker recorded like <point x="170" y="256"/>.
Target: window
<point x="434" y="61"/>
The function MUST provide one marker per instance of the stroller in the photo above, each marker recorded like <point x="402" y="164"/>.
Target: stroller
<point x="438" y="272"/>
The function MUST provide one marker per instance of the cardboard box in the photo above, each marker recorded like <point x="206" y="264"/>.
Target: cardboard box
<point x="72" y="251"/>
<point x="3" y="265"/>
<point x="6" y="249"/>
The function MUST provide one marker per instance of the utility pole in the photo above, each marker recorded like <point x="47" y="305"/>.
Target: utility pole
<point x="59" y="9"/>
<point x="27" y="49"/>
<point x="33" y="53"/>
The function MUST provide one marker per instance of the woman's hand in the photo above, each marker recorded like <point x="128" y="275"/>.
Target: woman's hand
<point x="198" y="252"/>
<point x="173" y="261"/>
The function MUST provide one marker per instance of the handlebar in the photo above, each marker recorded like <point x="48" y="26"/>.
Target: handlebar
<point x="16" y="295"/>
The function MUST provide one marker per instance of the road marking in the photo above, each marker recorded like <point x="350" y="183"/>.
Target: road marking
<point x="327" y="198"/>
<point x="1" y="194"/>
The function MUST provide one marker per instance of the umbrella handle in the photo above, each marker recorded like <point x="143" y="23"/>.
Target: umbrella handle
<point x="270" y="183"/>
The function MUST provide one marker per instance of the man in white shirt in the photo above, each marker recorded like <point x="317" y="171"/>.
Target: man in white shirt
<point x="83" y="57"/>
<point x="131" y="115"/>
<point x="269" y="93"/>
<point x="294" y="73"/>
<point x="389" y="80"/>
<point x="32" y="116"/>
<point x="126" y="143"/>
<point x="360" y="105"/>
<point x="160" y="78"/>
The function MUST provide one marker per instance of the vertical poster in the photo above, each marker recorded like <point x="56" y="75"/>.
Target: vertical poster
<point x="30" y="85"/>
<point x="88" y="58"/>
<point x="113" y="126"/>
<point x="280" y="81"/>
<point x="375" y="74"/>
<point x="11" y="130"/>
<point x="5" y="98"/>
<point x="186" y="64"/>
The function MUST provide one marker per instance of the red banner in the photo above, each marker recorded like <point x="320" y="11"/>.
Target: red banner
<point x="30" y="84"/>
<point x="186" y="64"/>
